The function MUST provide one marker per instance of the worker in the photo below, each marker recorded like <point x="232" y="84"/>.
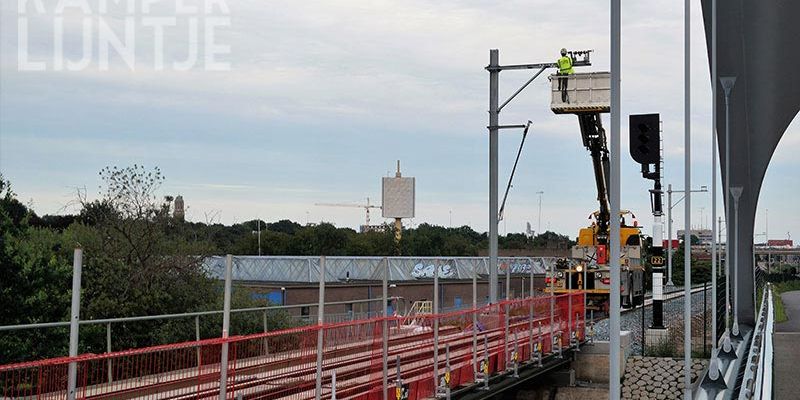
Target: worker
<point x="564" y="68"/>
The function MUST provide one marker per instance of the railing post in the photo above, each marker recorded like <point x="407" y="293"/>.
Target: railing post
<point x="585" y="297"/>
<point x="474" y="321"/>
<point x="485" y="364"/>
<point x="320" y="322"/>
<point x="197" y="337"/>
<point x="75" y="315"/>
<point x="400" y="392"/>
<point x="226" y="321"/>
<point x="385" y="330"/>
<point x="443" y="385"/>
<point x="539" y="346"/>
<point x="266" y="329"/>
<point x="552" y="305"/>
<point x="333" y="386"/>
<point x="569" y="303"/>
<point x="530" y="306"/>
<point x="530" y="329"/>
<point x="108" y="350"/>
<point x="506" y="311"/>
<point x="515" y="356"/>
<point x="574" y="337"/>
<point x="447" y="373"/>
<point x="435" y="315"/>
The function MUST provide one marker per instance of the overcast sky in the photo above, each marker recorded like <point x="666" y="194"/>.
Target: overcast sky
<point x="322" y="97"/>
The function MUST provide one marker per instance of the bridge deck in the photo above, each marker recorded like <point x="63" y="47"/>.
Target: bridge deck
<point x="283" y="364"/>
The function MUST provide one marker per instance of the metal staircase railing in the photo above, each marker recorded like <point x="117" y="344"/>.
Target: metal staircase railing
<point x="418" y="310"/>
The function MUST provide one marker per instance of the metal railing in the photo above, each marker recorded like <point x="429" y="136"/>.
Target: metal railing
<point x="104" y="321"/>
<point x="509" y="334"/>
<point x="749" y="356"/>
<point x="296" y="320"/>
<point x="754" y="384"/>
<point x="442" y="351"/>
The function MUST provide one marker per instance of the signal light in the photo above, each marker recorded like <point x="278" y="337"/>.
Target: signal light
<point x="645" y="138"/>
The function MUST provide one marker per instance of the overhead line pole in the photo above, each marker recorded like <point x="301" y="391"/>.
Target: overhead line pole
<point x="494" y="127"/>
<point x="494" y="111"/>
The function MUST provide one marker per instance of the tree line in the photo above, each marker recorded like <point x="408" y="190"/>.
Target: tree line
<point x="140" y="260"/>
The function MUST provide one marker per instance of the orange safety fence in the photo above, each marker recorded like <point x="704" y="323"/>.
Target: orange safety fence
<point x="283" y="364"/>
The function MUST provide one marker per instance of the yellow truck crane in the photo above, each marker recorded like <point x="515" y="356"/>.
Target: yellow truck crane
<point x="587" y="96"/>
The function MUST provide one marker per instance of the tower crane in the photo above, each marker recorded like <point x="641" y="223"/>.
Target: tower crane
<point x="366" y="207"/>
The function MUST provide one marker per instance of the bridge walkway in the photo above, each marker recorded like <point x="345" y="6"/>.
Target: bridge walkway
<point x="787" y="348"/>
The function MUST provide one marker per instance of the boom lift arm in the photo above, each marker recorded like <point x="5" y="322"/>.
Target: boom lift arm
<point x="594" y="139"/>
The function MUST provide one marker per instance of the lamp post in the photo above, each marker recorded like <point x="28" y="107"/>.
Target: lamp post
<point x="766" y="241"/>
<point x="736" y="193"/>
<point x="727" y="83"/>
<point x="702" y="189"/>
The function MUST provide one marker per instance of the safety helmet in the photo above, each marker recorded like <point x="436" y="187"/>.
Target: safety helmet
<point x="563" y="51"/>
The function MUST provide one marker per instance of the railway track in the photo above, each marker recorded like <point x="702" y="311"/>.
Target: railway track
<point x="357" y="363"/>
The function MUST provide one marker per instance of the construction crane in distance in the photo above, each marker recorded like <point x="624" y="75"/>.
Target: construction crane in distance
<point x="366" y="207"/>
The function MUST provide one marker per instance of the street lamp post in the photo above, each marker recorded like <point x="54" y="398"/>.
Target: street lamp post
<point x="766" y="241"/>
<point x="702" y="189"/>
<point x="727" y="83"/>
<point x="736" y="193"/>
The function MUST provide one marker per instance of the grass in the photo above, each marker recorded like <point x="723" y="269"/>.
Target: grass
<point x="664" y="348"/>
<point x="778" y="288"/>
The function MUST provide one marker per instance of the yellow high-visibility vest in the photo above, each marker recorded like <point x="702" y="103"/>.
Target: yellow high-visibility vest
<point x="565" y="66"/>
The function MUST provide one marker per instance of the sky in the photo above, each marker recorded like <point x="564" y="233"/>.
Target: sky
<point x="314" y="101"/>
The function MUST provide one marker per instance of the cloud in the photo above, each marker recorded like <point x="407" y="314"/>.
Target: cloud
<point x="324" y="96"/>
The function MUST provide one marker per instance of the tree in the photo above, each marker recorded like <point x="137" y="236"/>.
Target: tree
<point x="138" y="259"/>
<point x="34" y="275"/>
<point x="552" y="240"/>
<point x="701" y="269"/>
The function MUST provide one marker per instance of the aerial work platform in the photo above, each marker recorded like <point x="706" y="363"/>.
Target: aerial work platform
<point x="585" y="93"/>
